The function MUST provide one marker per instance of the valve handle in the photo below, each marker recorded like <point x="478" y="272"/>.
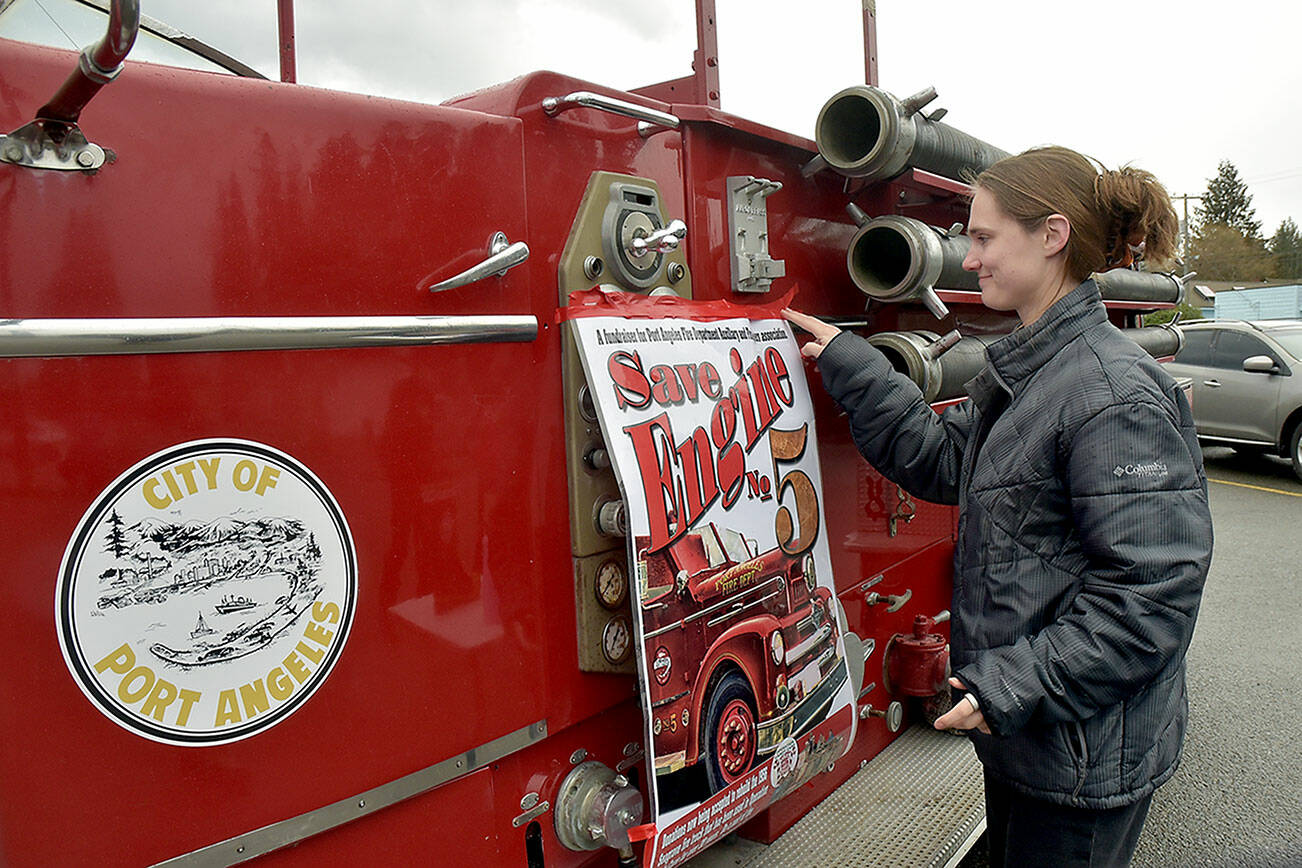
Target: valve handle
<point x="661" y="241"/>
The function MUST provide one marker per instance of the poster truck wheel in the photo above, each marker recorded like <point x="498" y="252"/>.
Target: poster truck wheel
<point x="729" y="731"/>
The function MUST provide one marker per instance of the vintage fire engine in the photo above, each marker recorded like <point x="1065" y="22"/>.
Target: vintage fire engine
<point x="749" y="619"/>
<point x="314" y="550"/>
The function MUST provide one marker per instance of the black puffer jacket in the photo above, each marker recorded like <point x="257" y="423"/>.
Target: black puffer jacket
<point x="1083" y="544"/>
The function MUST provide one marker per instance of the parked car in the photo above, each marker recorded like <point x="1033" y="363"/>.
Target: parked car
<point x="1247" y="384"/>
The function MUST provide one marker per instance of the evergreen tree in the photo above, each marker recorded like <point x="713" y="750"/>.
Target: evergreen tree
<point x="1286" y="249"/>
<point x="117" y="538"/>
<point x="1227" y="201"/>
<point x="1221" y="252"/>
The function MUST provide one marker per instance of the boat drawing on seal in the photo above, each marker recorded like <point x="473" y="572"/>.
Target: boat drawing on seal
<point x="234" y="603"/>
<point x="201" y="629"/>
<point x="244" y="639"/>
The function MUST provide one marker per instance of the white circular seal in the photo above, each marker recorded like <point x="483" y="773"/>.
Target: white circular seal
<point x="785" y="759"/>
<point x="207" y="592"/>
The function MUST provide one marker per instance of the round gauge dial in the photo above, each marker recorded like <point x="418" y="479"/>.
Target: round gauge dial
<point x="617" y="640"/>
<point x="612" y="584"/>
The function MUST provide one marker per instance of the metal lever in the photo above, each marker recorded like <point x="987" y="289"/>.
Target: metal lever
<point x="661" y="241"/>
<point x="894" y="602"/>
<point x="503" y="256"/>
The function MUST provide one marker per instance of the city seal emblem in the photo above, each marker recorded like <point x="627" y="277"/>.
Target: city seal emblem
<point x="207" y="592"/>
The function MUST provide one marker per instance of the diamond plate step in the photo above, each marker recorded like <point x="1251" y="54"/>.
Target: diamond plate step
<point x="917" y="804"/>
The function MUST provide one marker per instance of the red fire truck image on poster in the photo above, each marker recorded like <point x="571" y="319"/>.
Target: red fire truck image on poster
<point x="744" y="684"/>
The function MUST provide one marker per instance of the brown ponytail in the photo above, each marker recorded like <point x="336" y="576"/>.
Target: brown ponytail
<point x="1110" y="211"/>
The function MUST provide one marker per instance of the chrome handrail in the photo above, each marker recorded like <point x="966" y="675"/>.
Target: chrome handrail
<point x="54" y="338"/>
<point x="554" y="105"/>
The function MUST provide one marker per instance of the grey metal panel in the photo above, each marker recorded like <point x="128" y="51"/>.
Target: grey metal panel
<point x="918" y="804"/>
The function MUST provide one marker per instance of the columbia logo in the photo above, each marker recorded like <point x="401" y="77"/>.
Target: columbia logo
<point x="1153" y="468"/>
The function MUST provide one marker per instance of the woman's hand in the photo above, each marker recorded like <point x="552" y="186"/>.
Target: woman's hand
<point x="962" y="715"/>
<point x="821" y="332"/>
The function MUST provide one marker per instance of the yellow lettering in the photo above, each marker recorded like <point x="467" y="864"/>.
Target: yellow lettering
<point x="151" y="497"/>
<point x="187" y="473"/>
<point x="279" y="684"/>
<point x="147" y="681"/>
<point x="159" y="698"/>
<point x="296" y="667"/>
<point x="318" y="634"/>
<point x="119" y="661"/>
<point x="313" y="654"/>
<point x="245" y="474"/>
<point x="266" y="480"/>
<point x="323" y="611"/>
<point x="209" y="468"/>
<point x="170" y="482"/>
<point x="228" y="708"/>
<point x="188" y="699"/>
<point x="254" y="697"/>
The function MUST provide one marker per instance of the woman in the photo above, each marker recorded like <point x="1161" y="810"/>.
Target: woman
<point x="1084" y="534"/>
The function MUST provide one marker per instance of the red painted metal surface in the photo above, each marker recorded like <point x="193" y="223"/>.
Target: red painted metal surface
<point x="233" y="197"/>
<point x="285" y="32"/>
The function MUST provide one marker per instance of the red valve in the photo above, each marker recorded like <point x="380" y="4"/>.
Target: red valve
<point x="917" y="665"/>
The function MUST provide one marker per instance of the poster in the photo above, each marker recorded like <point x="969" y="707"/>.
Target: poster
<point x="741" y="663"/>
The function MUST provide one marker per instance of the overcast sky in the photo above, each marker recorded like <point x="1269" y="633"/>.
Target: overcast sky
<point x="1173" y="87"/>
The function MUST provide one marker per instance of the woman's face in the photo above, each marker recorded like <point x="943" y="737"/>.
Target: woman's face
<point x="1017" y="270"/>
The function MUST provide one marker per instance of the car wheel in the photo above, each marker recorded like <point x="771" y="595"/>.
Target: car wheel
<point x="1295" y="449"/>
<point x="730" y="737"/>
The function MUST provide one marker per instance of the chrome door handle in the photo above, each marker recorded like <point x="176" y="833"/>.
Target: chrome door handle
<point x="1216" y="384"/>
<point x="503" y="255"/>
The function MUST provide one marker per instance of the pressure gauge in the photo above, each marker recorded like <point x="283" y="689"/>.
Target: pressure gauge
<point x="612" y="584"/>
<point x="617" y="639"/>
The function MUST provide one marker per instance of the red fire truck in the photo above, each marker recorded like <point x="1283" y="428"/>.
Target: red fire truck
<point x="315" y="555"/>
<point x="744" y="642"/>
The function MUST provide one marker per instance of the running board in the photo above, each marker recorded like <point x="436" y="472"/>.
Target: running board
<point x="919" y="802"/>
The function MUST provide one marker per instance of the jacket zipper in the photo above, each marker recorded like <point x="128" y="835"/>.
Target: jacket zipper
<point x="1082" y="753"/>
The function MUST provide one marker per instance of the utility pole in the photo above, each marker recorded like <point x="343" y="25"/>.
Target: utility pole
<point x="1184" y="228"/>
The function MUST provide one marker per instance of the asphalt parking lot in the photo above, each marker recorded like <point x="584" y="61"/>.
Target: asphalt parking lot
<point x="1237" y="798"/>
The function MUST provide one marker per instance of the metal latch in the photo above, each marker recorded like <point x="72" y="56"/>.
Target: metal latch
<point x="753" y="270"/>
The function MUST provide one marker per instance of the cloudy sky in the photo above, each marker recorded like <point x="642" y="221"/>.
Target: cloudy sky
<point x="1173" y="87"/>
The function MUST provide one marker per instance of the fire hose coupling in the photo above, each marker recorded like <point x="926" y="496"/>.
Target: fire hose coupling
<point x="894" y="259"/>
<point x="865" y="132"/>
<point x="611" y="518"/>
<point x="596" y="807"/>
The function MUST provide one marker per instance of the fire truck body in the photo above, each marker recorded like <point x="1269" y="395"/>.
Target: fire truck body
<point x="250" y="294"/>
